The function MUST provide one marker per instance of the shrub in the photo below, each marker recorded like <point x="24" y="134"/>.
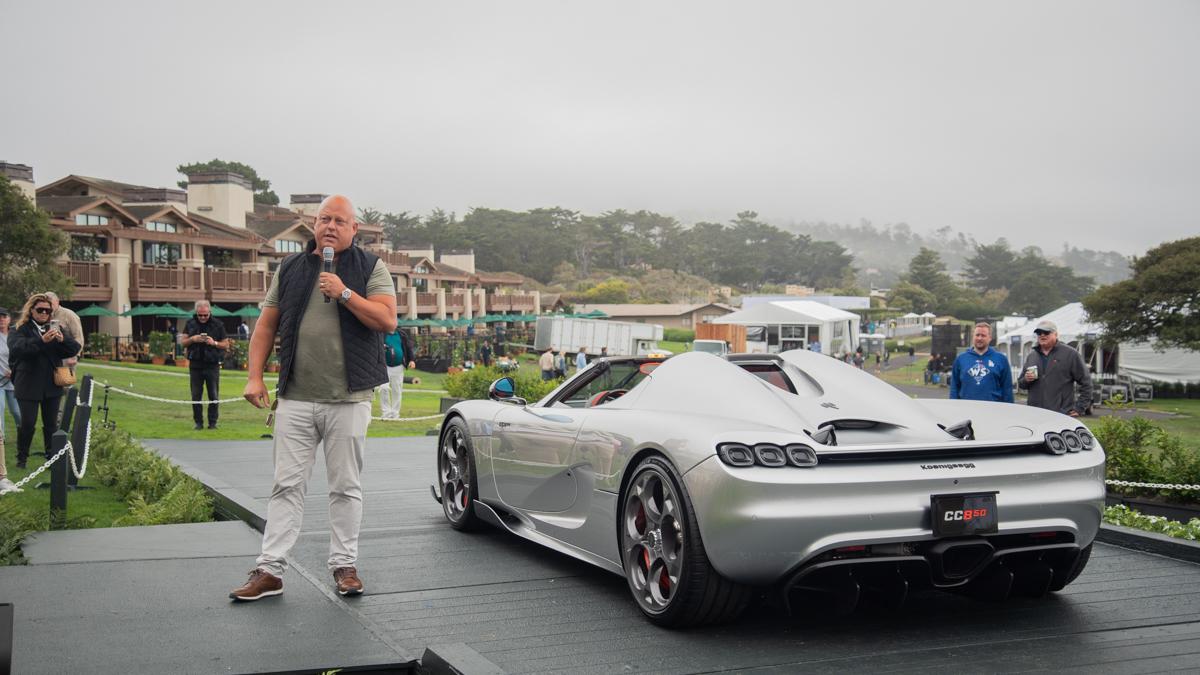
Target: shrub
<point x="1140" y="451"/>
<point x="98" y="344"/>
<point x="1127" y="517"/>
<point x="678" y="335"/>
<point x="161" y="343"/>
<point x="474" y="383"/>
<point x="157" y="491"/>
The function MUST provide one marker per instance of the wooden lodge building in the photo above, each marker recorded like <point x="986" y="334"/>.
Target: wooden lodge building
<point x="133" y="244"/>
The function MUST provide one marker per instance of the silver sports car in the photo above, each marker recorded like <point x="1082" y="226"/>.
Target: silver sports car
<point x="704" y="480"/>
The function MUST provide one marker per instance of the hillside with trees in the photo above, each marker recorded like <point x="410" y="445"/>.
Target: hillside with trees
<point x="880" y="252"/>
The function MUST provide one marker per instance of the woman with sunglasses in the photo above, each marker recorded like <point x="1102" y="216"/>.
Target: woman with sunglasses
<point x="36" y="347"/>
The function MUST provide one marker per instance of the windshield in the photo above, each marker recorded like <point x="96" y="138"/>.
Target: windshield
<point x="709" y="346"/>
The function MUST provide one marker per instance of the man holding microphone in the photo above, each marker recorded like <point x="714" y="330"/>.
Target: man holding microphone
<point x="331" y="326"/>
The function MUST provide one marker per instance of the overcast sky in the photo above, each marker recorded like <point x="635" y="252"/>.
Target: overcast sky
<point x="1042" y="121"/>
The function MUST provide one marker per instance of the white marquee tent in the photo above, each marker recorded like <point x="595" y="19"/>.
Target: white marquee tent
<point x="1137" y="360"/>
<point x="795" y="324"/>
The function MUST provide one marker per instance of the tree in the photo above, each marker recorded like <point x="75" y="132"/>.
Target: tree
<point x="261" y="186"/>
<point x="402" y="229"/>
<point x="911" y="297"/>
<point x="370" y="217"/>
<point x="993" y="266"/>
<point x="29" y="249"/>
<point x="613" y="291"/>
<point x="1160" y="303"/>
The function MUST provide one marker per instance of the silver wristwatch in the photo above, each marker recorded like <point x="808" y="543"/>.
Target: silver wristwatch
<point x="345" y="297"/>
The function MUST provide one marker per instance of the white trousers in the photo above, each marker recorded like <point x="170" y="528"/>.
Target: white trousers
<point x="300" y="426"/>
<point x="390" y="393"/>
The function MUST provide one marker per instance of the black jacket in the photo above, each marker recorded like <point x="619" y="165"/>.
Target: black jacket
<point x="362" y="347"/>
<point x="33" y="362"/>
<point x="201" y="356"/>
<point x="1058" y="373"/>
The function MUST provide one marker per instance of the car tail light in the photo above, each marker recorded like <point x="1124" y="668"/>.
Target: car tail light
<point x="770" y="455"/>
<point x="1086" y="439"/>
<point x="1055" y="443"/>
<point x="1072" y="440"/>
<point x="799" y="454"/>
<point x="736" y="454"/>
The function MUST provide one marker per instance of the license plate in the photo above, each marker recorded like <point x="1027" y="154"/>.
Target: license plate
<point x="966" y="514"/>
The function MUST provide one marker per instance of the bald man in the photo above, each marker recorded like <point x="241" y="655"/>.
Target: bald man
<point x="331" y="327"/>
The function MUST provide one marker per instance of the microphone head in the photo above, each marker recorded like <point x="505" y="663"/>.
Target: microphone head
<point x="327" y="254"/>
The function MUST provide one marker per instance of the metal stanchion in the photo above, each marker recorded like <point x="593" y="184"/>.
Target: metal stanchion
<point x="68" y="411"/>
<point x="6" y="638"/>
<point x="58" y="483"/>
<point x="79" y="432"/>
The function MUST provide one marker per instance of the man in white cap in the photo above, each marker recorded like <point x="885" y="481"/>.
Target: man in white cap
<point x="1051" y="372"/>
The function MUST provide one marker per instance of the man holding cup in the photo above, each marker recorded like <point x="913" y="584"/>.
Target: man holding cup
<point x="1051" y="372"/>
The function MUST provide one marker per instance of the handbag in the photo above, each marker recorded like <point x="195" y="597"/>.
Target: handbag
<point x="63" y="377"/>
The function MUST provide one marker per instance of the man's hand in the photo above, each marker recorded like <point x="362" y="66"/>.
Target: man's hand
<point x="1029" y="376"/>
<point x="412" y="364"/>
<point x="331" y="285"/>
<point x="256" y="393"/>
<point x="1073" y="413"/>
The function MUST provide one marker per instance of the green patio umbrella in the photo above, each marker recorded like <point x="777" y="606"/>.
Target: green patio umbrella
<point x="248" y="311"/>
<point x="95" y="310"/>
<point x="221" y="313"/>
<point x="172" y="312"/>
<point x="594" y="314"/>
<point x="140" y="310"/>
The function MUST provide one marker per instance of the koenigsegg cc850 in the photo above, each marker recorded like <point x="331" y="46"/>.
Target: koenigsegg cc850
<point x="704" y="479"/>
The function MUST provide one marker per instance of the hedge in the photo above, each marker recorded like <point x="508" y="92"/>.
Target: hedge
<point x="474" y="383"/>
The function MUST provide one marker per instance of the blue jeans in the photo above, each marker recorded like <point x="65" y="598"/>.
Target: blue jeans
<point x="9" y="400"/>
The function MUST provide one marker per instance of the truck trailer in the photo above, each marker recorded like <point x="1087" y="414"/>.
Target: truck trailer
<point x="622" y="338"/>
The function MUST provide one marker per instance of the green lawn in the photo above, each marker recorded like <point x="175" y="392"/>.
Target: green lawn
<point x="238" y="420"/>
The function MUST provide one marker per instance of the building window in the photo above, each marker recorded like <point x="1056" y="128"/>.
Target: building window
<point x="288" y="246"/>
<point x="158" y="226"/>
<point x="90" y="219"/>
<point x="154" y="253"/>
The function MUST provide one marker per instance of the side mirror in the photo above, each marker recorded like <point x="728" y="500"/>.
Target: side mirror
<point x="505" y="391"/>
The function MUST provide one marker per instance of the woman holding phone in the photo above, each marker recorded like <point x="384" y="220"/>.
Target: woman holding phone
<point x="36" y="347"/>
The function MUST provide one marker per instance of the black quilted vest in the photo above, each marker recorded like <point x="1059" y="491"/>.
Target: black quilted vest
<point x="362" y="347"/>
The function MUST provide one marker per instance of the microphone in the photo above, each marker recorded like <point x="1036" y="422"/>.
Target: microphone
<point x="327" y="256"/>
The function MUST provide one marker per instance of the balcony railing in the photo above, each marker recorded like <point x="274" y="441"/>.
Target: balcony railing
<point x="162" y="282"/>
<point x="92" y="281"/>
<point x="235" y="285"/>
<point x="510" y="303"/>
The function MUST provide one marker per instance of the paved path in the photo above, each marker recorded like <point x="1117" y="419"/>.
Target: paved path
<point x="153" y="600"/>
<point x="528" y="609"/>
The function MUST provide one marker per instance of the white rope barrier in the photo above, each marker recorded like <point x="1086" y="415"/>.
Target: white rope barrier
<point x="1153" y="486"/>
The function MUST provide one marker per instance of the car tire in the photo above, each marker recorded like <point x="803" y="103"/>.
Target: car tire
<point x="663" y="556"/>
<point x="1076" y="569"/>
<point x="457" y="482"/>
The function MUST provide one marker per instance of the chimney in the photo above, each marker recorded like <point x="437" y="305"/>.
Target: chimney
<point x="223" y="196"/>
<point x="463" y="260"/>
<point x="307" y="204"/>
<point x="21" y="176"/>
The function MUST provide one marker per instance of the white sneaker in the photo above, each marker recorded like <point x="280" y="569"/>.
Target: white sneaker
<point x="7" y="485"/>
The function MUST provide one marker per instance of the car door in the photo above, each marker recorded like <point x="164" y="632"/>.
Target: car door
<point x="531" y="453"/>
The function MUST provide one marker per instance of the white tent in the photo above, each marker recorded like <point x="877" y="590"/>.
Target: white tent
<point x="1139" y="361"/>
<point x="787" y="325"/>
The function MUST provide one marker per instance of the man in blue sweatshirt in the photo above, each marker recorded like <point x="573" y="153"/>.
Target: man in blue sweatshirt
<point x="982" y="373"/>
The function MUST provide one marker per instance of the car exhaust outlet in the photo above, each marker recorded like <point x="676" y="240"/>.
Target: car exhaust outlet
<point x="955" y="560"/>
<point x="1032" y="579"/>
<point x="994" y="584"/>
<point x="889" y="588"/>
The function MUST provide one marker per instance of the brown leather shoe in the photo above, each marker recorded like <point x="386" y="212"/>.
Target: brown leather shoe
<point x="260" y="585"/>
<point x="347" y="581"/>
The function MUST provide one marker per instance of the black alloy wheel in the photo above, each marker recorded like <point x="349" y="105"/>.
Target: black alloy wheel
<point x="456" y="475"/>
<point x="664" y="559"/>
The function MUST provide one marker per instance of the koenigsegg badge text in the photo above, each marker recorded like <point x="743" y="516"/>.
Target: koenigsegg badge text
<point x="963" y="465"/>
